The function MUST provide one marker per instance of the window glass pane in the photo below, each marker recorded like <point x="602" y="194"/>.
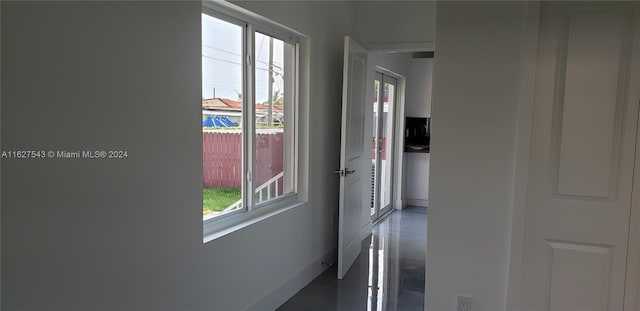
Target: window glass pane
<point x="274" y="71"/>
<point x="221" y="116"/>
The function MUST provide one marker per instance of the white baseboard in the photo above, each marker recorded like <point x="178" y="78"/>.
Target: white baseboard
<point x="289" y="287"/>
<point x="297" y="281"/>
<point x="399" y="205"/>
<point x="418" y="202"/>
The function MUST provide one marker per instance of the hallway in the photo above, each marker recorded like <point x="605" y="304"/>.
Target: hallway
<point x="389" y="274"/>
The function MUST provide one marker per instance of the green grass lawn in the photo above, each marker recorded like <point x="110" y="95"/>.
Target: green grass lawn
<point x="217" y="199"/>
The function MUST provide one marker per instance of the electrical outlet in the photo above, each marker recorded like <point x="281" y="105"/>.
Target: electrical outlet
<point x="463" y="303"/>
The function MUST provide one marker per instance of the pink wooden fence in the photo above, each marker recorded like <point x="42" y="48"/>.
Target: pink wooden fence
<point x="222" y="158"/>
<point x="269" y="157"/>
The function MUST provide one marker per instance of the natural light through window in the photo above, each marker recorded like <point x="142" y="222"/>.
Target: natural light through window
<point x="221" y="116"/>
<point x="272" y="130"/>
<point x="248" y="117"/>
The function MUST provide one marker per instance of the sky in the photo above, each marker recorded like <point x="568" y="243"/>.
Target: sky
<point x="221" y="61"/>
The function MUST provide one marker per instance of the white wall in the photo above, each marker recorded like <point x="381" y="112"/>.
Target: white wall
<point x="398" y="63"/>
<point x="421" y="81"/>
<point x="127" y="234"/>
<point x="389" y="22"/>
<point x="476" y="78"/>
<point x="419" y="105"/>
<point x="123" y="235"/>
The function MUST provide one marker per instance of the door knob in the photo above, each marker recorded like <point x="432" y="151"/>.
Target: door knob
<point x="344" y="172"/>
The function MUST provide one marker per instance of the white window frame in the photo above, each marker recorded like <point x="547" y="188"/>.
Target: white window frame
<point x="296" y="152"/>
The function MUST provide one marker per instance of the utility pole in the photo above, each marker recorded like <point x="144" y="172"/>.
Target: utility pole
<point x="270" y="99"/>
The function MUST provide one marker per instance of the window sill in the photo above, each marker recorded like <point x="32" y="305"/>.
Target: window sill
<point x="213" y="231"/>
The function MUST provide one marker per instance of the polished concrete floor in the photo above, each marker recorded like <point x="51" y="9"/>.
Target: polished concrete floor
<point x="388" y="274"/>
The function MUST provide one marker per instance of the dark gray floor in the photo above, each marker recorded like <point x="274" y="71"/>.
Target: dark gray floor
<point x="388" y="274"/>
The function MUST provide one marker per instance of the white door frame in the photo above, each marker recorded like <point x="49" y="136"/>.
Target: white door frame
<point x="399" y="195"/>
<point x="523" y="144"/>
<point x="632" y="286"/>
<point x="398" y="135"/>
<point x="383" y="75"/>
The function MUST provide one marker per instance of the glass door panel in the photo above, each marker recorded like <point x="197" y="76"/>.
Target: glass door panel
<point x="374" y="144"/>
<point x="386" y="141"/>
<point x="384" y="101"/>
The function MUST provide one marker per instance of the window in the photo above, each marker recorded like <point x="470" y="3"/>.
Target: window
<point x="250" y="94"/>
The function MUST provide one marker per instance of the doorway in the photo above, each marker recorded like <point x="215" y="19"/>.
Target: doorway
<point x="382" y="144"/>
<point x="370" y="163"/>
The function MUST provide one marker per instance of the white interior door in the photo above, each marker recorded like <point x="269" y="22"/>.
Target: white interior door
<point x="353" y="155"/>
<point x="582" y="157"/>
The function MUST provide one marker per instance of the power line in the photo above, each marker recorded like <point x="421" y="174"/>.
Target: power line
<point x="222" y="60"/>
<point x="221" y="50"/>
<point x="236" y="54"/>
<point x="240" y="64"/>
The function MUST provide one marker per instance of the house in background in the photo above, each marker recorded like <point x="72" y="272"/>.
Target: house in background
<point x="232" y="109"/>
<point x="212" y="107"/>
<point x="127" y="234"/>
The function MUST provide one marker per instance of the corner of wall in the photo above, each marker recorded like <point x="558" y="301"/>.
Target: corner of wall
<point x="526" y="92"/>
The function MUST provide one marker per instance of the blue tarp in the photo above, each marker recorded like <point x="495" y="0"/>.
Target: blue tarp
<point x="227" y="122"/>
<point x="218" y="121"/>
<point x="208" y="122"/>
